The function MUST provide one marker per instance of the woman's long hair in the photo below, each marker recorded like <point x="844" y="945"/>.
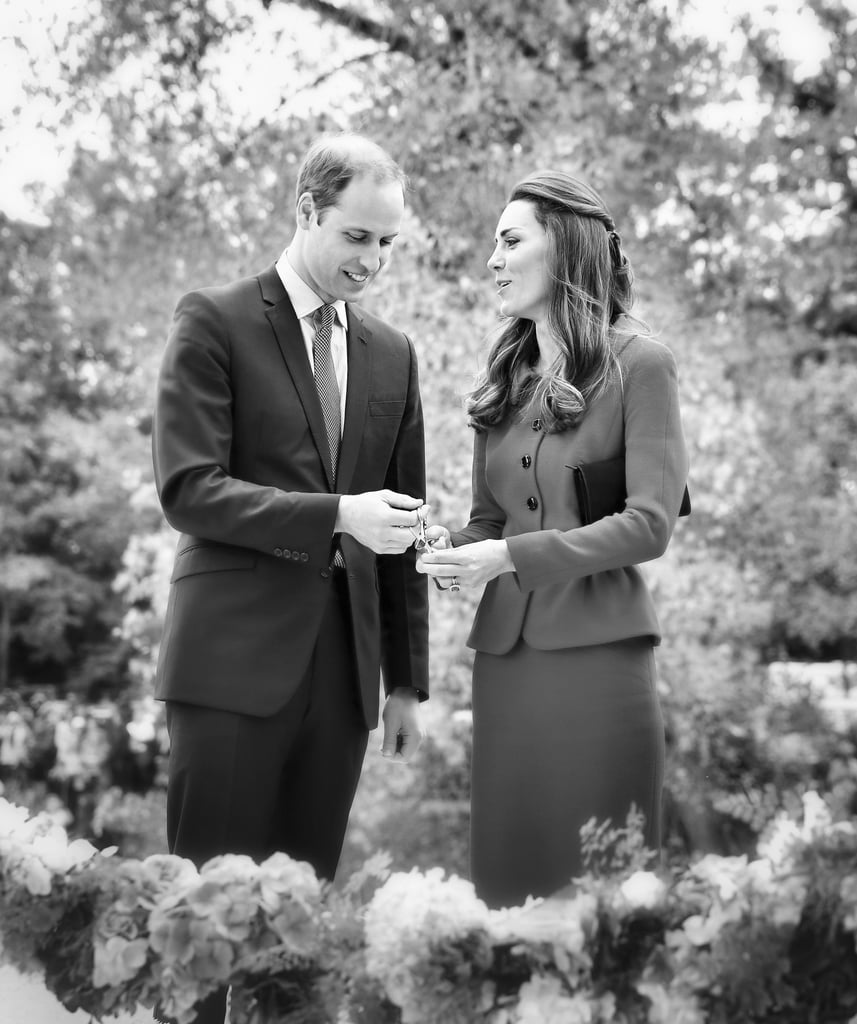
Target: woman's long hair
<point x="592" y="287"/>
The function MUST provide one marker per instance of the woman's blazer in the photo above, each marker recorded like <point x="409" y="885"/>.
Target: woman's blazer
<point x="575" y="585"/>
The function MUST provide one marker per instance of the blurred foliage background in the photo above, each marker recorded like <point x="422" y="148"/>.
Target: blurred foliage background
<point x="149" y="148"/>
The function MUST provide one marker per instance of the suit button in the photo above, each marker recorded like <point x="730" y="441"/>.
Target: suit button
<point x="296" y="555"/>
<point x="304" y="556"/>
<point x="278" y="552"/>
<point x="532" y="504"/>
<point x="526" y="462"/>
<point x="537" y="424"/>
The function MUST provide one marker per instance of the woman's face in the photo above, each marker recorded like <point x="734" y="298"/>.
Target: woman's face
<point x="519" y="263"/>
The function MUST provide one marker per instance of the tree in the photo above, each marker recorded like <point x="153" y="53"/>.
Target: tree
<point x="741" y="232"/>
<point x="64" y="506"/>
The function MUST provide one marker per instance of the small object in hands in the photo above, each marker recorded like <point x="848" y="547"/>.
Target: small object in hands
<point x="421" y="542"/>
<point x="455" y="586"/>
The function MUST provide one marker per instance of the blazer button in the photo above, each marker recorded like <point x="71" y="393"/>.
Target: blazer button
<point x="537" y="424"/>
<point x="278" y="552"/>
<point x="304" y="556"/>
<point x="532" y="504"/>
<point x="325" y="573"/>
<point x="287" y="553"/>
<point x="526" y="461"/>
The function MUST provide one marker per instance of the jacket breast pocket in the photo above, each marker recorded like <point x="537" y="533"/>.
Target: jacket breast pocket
<point x="389" y="408"/>
<point x="201" y="558"/>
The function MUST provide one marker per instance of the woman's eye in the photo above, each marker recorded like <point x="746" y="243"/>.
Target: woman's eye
<point x="511" y="242"/>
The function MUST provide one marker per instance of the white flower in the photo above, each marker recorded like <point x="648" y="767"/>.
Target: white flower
<point x="848" y="895"/>
<point x="541" y="1000"/>
<point x="780" y="841"/>
<point x="409" y="916"/>
<point x="58" y="854"/>
<point x="702" y="930"/>
<point x="784" y="892"/>
<point x="721" y="873"/>
<point x="816" y="814"/>
<point x="643" y="889"/>
<point x="416" y="909"/>
<point x="560" y="923"/>
<point x="159" y="874"/>
<point x="282" y="876"/>
<point x="117" y="960"/>
<point x="11" y="818"/>
<point x="36" y="876"/>
<point x="670" y="1007"/>
<point x="228" y="866"/>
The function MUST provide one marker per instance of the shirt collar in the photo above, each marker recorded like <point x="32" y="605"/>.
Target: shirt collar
<point x="303" y="298"/>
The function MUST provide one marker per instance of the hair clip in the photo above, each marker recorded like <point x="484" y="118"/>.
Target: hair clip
<point x="615" y="243"/>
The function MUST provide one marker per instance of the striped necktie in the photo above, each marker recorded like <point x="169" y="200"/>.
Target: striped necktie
<point x="328" y="393"/>
<point x="325" y="379"/>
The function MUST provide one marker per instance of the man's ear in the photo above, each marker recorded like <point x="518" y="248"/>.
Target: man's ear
<point x="305" y="210"/>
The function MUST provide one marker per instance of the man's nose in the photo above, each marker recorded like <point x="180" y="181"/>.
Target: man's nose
<point x="371" y="260"/>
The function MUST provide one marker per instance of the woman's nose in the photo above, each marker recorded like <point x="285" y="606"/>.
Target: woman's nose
<point x="495" y="261"/>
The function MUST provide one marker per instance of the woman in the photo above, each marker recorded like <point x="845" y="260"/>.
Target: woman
<point x="566" y="720"/>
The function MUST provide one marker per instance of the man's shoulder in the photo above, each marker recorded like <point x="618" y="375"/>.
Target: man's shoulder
<point x="239" y="287"/>
<point x="376" y="326"/>
<point x="238" y="290"/>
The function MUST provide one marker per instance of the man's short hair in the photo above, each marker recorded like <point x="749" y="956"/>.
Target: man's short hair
<point x="334" y="160"/>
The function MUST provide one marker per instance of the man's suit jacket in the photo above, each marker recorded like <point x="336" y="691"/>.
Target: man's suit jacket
<point x="240" y="455"/>
<point x="575" y="585"/>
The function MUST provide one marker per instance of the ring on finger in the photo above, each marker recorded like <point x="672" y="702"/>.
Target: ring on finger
<point x="455" y="586"/>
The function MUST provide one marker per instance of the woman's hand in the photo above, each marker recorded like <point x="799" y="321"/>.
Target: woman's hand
<point x="470" y="565"/>
<point x="438" y="537"/>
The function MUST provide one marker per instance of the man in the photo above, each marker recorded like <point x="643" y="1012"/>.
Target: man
<point x="293" y="582"/>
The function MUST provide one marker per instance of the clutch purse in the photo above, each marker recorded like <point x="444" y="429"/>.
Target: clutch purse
<point x="600" y="488"/>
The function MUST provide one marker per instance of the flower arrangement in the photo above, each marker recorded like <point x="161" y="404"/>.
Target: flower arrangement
<point x="110" y="934"/>
<point x="772" y="940"/>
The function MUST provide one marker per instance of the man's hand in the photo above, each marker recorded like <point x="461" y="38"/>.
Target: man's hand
<point x="381" y="520"/>
<point x="403" y="733"/>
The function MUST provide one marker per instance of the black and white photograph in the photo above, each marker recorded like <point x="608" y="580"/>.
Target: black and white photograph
<point x="428" y="501"/>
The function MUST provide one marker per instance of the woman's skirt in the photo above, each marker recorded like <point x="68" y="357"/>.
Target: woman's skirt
<point x="559" y="737"/>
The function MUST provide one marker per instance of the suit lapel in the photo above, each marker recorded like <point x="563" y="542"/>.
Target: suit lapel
<point x="356" y="397"/>
<point x="290" y="340"/>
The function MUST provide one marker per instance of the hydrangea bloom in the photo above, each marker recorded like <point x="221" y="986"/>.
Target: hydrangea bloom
<point x="671" y="1005"/>
<point x="542" y="1000"/>
<point x="643" y="889"/>
<point x="410" y="918"/>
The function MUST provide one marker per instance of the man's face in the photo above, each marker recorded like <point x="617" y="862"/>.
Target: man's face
<point x="342" y="249"/>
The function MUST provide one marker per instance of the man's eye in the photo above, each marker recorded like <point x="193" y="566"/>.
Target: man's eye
<point x="356" y="238"/>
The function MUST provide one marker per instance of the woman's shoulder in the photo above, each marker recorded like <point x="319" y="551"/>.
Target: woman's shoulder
<point x="635" y="350"/>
